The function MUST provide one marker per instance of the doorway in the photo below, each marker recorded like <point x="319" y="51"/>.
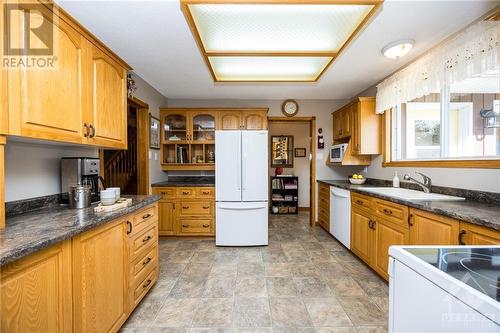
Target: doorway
<point x="129" y="169"/>
<point x="297" y="126"/>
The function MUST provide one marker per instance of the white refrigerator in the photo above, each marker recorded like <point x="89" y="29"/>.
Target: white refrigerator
<point x="241" y="180"/>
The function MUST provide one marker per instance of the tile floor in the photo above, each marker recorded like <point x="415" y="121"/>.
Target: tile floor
<point x="304" y="281"/>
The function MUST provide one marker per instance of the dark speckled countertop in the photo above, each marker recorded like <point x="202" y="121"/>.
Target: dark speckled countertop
<point x="188" y="181"/>
<point x="30" y="232"/>
<point x="478" y="212"/>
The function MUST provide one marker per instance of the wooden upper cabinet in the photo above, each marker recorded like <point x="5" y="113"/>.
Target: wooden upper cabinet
<point x="242" y="119"/>
<point x="81" y="99"/>
<point x="108" y="114"/>
<point x="229" y="120"/>
<point x="471" y="234"/>
<point x="431" y="229"/>
<point x="36" y="292"/>
<point x="254" y="120"/>
<point x="99" y="279"/>
<point x="49" y="103"/>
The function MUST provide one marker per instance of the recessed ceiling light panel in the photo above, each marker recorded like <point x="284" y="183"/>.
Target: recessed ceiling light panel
<point x="248" y="27"/>
<point x="274" y="40"/>
<point x="398" y="48"/>
<point x="268" y="68"/>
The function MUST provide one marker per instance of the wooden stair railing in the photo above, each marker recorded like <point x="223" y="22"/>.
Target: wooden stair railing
<point x="121" y="168"/>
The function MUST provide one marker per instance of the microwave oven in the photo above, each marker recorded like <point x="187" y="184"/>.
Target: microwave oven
<point x="337" y="152"/>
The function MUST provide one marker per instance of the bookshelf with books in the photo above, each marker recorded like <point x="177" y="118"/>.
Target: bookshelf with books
<point x="284" y="194"/>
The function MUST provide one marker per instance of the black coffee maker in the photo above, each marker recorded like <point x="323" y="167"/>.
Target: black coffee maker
<point x="83" y="170"/>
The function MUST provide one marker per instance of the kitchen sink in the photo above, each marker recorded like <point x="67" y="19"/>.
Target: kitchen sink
<point x="406" y="194"/>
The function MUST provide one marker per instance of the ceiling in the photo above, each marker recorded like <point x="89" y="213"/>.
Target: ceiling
<point x="154" y="38"/>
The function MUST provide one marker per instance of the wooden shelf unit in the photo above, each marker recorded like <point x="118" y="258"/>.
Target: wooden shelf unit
<point x="291" y="206"/>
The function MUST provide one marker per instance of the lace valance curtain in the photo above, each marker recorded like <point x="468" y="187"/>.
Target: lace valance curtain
<point x="472" y="52"/>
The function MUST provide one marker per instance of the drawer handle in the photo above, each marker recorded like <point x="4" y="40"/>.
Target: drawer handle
<point x="461" y="237"/>
<point x="145" y="262"/>
<point x="185" y="207"/>
<point x="206" y="192"/>
<point x="145" y="239"/>
<point x="360" y="202"/>
<point x="146" y="284"/>
<point x="185" y="225"/>
<point x="206" y="207"/>
<point x="185" y="193"/>
<point x="388" y="211"/>
<point x="206" y="225"/>
<point x="146" y="216"/>
<point x="164" y="193"/>
<point x="129" y="227"/>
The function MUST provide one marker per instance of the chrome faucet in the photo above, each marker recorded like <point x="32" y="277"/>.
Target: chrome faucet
<point x="425" y="185"/>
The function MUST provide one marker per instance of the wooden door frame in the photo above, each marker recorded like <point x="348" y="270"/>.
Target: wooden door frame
<point x="142" y="145"/>
<point x="312" y="162"/>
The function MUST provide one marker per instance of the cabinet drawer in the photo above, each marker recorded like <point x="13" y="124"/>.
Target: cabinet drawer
<point x="198" y="226"/>
<point x="166" y="193"/>
<point x="144" y="285"/>
<point x="143" y="264"/>
<point x="392" y="212"/>
<point x="205" y="193"/>
<point x="141" y="220"/>
<point x="323" y="190"/>
<point x="361" y="201"/>
<point x="142" y="241"/>
<point x="184" y="192"/>
<point x="196" y="208"/>
<point x="325" y="211"/>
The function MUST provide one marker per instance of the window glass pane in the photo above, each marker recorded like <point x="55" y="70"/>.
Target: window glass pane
<point x="473" y="117"/>
<point x="417" y="129"/>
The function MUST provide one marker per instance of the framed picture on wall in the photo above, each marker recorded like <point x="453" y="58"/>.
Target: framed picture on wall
<point x="300" y="152"/>
<point x="282" y="151"/>
<point x="154" y="132"/>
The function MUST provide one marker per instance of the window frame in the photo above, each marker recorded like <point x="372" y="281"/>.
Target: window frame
<point x="387" y="151"/>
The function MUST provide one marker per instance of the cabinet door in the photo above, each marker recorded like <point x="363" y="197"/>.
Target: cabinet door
<point x="202" y="126"/>
<point x="36" y="292"/>
<point x="49" y="103"/>
<point x="346" y="122"/>
<point x="386" y="234"/>
<point x="229" y="120"/>
<point x="166" y="218"/>
<point x="337" y="126"/>
<point x="472" y="234"/>
<point x="108" y="112"/>
<point x="99" y="279"/>
<point x="432" y="229"/>
<point x="254" y="120"/>
<point x="361" y="234"/>
<point x="355" y="135"/>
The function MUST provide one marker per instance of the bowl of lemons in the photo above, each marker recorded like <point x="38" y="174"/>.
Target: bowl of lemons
<point x="357" y="179"/>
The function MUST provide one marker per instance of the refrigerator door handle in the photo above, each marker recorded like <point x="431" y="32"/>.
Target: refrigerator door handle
<point x="243" y="158"/>
<point x="243" y="208"/>
<point x="238" y="181"/>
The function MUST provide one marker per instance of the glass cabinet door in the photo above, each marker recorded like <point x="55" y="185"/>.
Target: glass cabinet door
<point x="175" y="127"/>
<point x="203" y="127"/>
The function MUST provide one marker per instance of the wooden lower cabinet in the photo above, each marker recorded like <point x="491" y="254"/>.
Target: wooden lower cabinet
<point x="471" y="234"/>
<point x="100" y="279"/>
<point x="324" y="206"/>
<point x="361" y="235"/>
<point x="36" y="294"/>
<point x="90" y="283"/>
<point x="186" y="211"/>
<point x="385" y="234"/>
<point x="431" y="229"/>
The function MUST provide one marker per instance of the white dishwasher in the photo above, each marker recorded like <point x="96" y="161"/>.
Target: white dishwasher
<point x="340" y="215"/>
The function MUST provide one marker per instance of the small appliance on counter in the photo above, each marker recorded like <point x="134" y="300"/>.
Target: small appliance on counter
<point x="78" y="171"/>
<point x="337" y="152"/>
<point x="444" y="289"/>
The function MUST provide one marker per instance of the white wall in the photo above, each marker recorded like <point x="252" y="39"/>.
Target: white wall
<point x="155" y="100"/>
<point x="32" y="168"/>
<point x="300" y="133"/>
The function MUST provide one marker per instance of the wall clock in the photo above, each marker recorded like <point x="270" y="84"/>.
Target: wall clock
<point x="290" y="108"/>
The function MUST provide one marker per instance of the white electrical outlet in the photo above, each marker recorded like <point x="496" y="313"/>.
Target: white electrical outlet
<point x="156" y="156"/>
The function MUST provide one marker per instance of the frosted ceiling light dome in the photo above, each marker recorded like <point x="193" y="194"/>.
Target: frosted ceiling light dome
<point x="398" y="49"/>
<point x="274" y="40"/>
